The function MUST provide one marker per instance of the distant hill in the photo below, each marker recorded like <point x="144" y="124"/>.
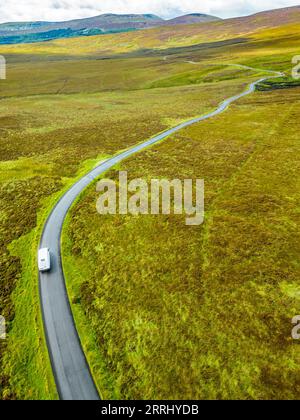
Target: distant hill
<point x="162" y="37"/>
<point x="106" y="22"/>
<point x="22" y="32"/>
<point x="197" y="25"/>
<point x="192" y="18"/>
<point x="268" y="19"/>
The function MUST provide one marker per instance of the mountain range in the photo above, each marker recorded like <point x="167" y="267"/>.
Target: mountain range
<point x="210" y="26"/>
<point x="22" y="32"/>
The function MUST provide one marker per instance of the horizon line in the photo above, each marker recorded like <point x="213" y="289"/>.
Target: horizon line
<point x="151" y="14"/>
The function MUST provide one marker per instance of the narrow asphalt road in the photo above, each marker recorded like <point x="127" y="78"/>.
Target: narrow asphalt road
<point x="70" y="368"/>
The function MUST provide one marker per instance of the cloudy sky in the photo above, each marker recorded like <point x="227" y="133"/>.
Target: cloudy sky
<point x="57" y="10"/>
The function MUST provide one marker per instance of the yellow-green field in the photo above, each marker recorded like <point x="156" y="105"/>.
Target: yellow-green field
<point x="163" y="311"/>
<point x="200" y="312"/>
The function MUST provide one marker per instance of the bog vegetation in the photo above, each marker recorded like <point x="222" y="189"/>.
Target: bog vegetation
<point x="163" y="311"/>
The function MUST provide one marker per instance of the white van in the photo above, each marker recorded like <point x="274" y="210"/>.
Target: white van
<point x="44" y="260"/>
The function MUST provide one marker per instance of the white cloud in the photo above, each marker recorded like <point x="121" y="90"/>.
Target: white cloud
<point x="57" y="10"/>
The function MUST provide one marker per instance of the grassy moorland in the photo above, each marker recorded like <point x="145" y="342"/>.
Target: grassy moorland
<point x="146" y="308"/>
<point x="51" y="132"/>
<point x="163" y="38"/>
<point x="167" y="311"/>
<point x="202" y="312"/>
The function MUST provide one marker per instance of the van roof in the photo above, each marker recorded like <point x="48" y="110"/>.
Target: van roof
<point x="43" y="252"/>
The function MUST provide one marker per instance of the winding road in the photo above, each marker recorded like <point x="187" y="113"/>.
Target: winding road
<point x="71" y="371"/>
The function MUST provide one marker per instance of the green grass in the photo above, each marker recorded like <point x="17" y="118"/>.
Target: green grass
<point x="188" y="78"/>
<point x="29" y="370"/>
<point x="65" y="135"/>
<point x="23" y="357"/>
<point x="200" y="312"/>
<point x="77" y="271"/>
<point x="210" y="316"/>
<point x="280" y="83"/>
<point x="146" y="317"/>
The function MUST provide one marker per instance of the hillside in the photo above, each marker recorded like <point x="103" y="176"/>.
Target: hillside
<point x="163" y="311"/>
<point x="28" y="32"/>
<point x="104" y="22"/>
<point x="192" y="18"/>
<point x="168" y="37"/>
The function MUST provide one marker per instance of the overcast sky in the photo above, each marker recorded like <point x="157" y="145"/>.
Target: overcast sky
<point x="57" y="10"/>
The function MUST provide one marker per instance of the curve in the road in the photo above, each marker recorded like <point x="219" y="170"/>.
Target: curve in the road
<point x="70" y="368"/>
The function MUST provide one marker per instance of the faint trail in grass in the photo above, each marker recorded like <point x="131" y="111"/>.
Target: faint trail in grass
<point x="63" y="86"/>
